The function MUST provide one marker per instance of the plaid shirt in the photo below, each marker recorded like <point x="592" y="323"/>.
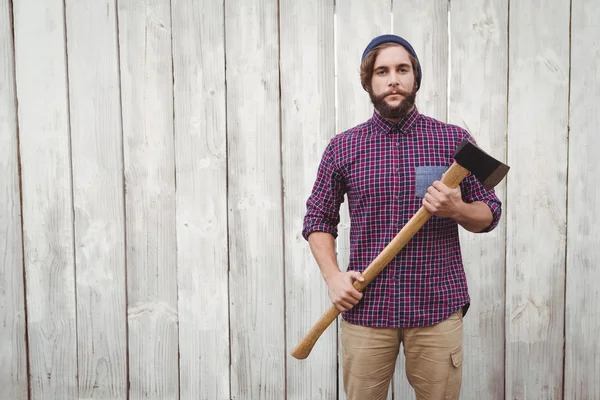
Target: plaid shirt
<point x="385" y="170"/>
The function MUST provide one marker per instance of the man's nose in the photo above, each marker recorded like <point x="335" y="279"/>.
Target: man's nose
<point x="394" y="79"/>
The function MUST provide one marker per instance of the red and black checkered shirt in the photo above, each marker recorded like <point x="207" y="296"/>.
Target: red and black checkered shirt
<point x="384" y="170"/>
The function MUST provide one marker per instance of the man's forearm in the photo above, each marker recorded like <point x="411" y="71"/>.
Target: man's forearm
<point x="322" y="246"/>
<point x="474" y="217"/>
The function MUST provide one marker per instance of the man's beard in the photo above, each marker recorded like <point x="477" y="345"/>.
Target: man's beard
<point x="390" y="112"/>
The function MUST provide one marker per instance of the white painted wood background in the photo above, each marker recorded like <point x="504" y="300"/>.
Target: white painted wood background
<point x="155" y="160"/>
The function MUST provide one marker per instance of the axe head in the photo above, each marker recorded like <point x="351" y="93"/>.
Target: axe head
<point x="486" y="168"/>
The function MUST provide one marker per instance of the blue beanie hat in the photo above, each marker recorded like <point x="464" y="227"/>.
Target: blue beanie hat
<point x="402" y="42"/>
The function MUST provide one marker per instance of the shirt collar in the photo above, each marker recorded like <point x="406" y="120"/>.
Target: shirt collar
<point x="405" y="125"/>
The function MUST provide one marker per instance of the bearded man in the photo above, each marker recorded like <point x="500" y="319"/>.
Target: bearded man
<point x="388" y="167"/>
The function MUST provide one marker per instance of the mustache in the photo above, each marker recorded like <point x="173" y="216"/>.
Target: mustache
<point x="395" y="91"/>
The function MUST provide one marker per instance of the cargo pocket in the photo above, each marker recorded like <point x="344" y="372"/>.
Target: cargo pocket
<point x="455" y="376"/>
<point x="457" y="357"/>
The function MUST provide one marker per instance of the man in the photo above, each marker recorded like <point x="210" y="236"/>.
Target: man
<point x="388" y="167"/>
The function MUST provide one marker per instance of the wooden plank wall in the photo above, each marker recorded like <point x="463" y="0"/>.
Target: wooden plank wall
<point x="149" y="173"/>
<point x="47" y="198"/>
<point x="582" y="317"/>
<point x="13" y="351"/>
<point x="256" y="266"/>
<point x="307" y="123"/>
<point x="156" y="157"/>
<point x="478" y="102"/>
<point x="538" y="93"/>
<point x="99" y="220"/>
<point x="201" y="215"/>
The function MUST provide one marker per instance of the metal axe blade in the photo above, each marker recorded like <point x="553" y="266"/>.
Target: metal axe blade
<point x="484" y="167"/>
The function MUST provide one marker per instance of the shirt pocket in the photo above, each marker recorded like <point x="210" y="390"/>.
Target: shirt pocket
<point x="425" y="176"/>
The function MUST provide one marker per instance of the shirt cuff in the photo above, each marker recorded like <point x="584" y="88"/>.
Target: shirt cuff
<point x="319" y="227"/>
<point x="496" y="210"/>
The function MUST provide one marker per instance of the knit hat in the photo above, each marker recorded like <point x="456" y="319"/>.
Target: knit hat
<point x="394" y="39"/>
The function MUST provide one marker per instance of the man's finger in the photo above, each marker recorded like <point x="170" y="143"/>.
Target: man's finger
<point x="429" y="206"/>
<point x="354" y="295"/>
<point x="345" y="304"/>
<point x="352" y="300"/>
<point x="441" y="187"/>
<point x="433" y="191"/>
<point x="340" y="308"/>
<point x="429" y="198"/>
<point x="356" y="275"/>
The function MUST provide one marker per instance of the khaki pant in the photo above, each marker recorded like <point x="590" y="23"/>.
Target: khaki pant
<point x="433" y="359"/>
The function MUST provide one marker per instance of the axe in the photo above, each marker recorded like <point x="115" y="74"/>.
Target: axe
<point x="468" y="158"/>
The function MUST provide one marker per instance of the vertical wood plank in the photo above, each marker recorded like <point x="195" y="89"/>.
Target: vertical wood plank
<point x="43" y="119"/>
<point x="255" y="200"/>
<point x="582" y="365"/>
<point x="13" y="351"/>
<point x="201" y="174"/>
<point x="478" y="103"/>
<point x="147" y="103"/>
<point x="536" y="190"/>
<point x="424" y="23"/>
<point x="98" y="198"/>
<point x="357" y="23"/>
<point x="308" y="123"/>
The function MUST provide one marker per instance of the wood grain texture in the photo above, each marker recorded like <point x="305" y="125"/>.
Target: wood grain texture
<point x="582" y="365"/>
<point x="256" y="278"/>
<point x="424" y="23"/>
<point x="478" y="102"/>
<point x="96" y="144"/>
<point x="357" y="23"/>
<point x="43" y="119"/>
<point x="13" y="351"/>
<point x="536" y="190"/>
<point x="201" y="174"/>
<point x="147" y="103"/>
<point x="307" y="64"/>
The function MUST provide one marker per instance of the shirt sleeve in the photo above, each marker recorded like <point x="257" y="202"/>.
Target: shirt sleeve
<point x="473" y="190"/>
<point x="323" y="204"/>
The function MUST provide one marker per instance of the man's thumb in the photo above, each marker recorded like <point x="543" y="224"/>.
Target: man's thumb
<point x="357" y="276"/>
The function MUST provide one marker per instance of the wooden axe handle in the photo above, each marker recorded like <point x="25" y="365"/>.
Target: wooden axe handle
<point x="452" y="179"/>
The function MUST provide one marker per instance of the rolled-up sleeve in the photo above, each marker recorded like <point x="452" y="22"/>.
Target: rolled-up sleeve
<point x="323" y="204"/>
<point x="473" y="190"/>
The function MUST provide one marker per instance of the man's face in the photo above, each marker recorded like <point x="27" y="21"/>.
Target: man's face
<point x="393" y="88"/>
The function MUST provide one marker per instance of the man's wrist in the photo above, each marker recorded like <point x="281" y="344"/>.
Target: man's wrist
<point x="333" y="271"/>
<point x="461" y="211"/>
